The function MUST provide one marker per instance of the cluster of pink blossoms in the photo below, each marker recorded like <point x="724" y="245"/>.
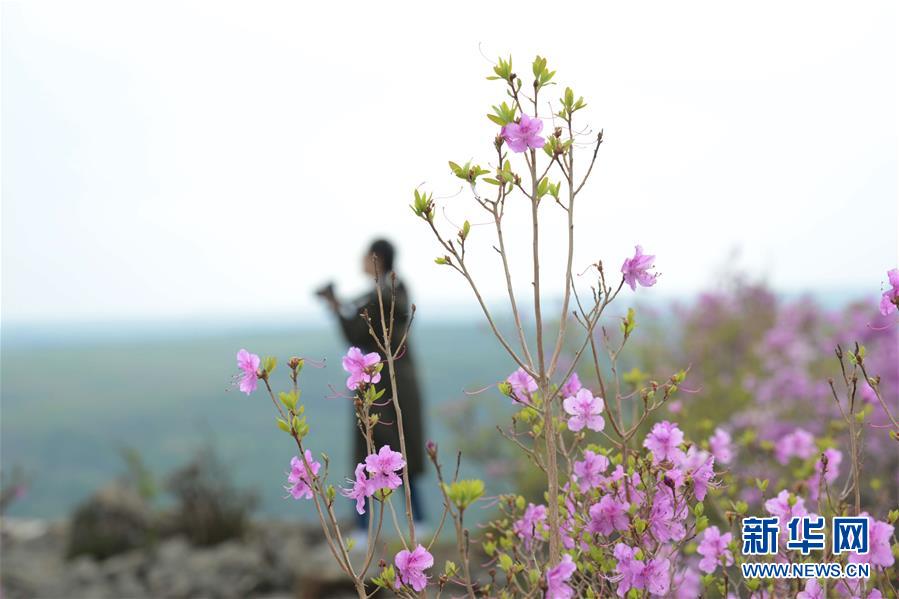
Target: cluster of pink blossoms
<point x="531" y="526"/>
<point x="523" y="386"/>
<point x="379" y="472"/>
<point x="362" y="368"/>
<point x="557" y="578"/>
<point x="714" y="551"/>
<point x="650" y="575"/>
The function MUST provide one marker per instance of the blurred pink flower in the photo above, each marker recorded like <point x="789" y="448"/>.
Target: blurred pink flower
<point x="712" y="548"/>
<point x="249" y="365"/>
<point x="698" y="465"/>
<point x="687" y="584"/>
<point x="383" y="467"/>
<point x="834" y="458"/>
<point x="556" y="578"/>
<point x="812" y="590"/>
<point x="665" y="520"/>
<point x="799" y="444"/>
<point x="890" y="299"/>
<point x="362" y="367"/>
<point x="663" y="441"/>
<point x="522" y="384"/>
<point x="571" y="386"/>
<point x="300" y="487"/>
<point x="584" y="410"/>
<point x="524" y="134"/>
<point x="636" y="270"/>
<point x="411" y="566"/>
<point x="721" y="446"/>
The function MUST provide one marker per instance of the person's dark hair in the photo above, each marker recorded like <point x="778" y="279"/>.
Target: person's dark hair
<point x="385" y="252"/>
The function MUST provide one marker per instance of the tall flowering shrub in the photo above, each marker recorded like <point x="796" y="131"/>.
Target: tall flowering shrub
<point x="633" y="505"/>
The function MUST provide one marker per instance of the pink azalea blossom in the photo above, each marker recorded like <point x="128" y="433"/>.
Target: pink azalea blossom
<point x="557" y="577"/>
<point x="636" y="270"/>
<point x="799" y="444"/>
<point x="589" y="470"/>
<point x="299" y="484"/>
<point x="411" y="566"/>
<point x="523" y="385"/>
<point x="584" y="410"/>
<point x="780" y="506"/>
<point x="361" y="489"/>
<point x="531" y="524"/>
<point x="812" y="590"/>
<point x="890" y="299"/>
<point x="663" y="441"/>
<point x="713" y="548"/>
<point x="721" y="446"/>
<point x="652" y="575"/>
<point x="249" y="365"/>
<point x="571" y="386"/>
<point x="608" y="515"/>
<point x="363" y="368"/>
<point x="524" y="134"/>
<point x="382" y="467"/>
<point x="665" y="520"/>
<point x="879" y="552"/>
<point x="698" y="465"/>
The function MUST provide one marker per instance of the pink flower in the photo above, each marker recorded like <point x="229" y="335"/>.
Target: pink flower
<point x="589" y="470"/>
<point x="698" y="465"/>
<point x="665" y="521"/>
<point x="360" y="490"/>
<point x="300" y="486"/>
<point x="652" y="575"/>
<point x="363" y="368"/>
<point x="812" y="590"/>
<point x="879" y="552"/>
<point x="556" y="578"/>
<point x="412" y="566"/>
<point x="800" y="444"/>
<point x="383" y="467"/>
<point x="663" y="441"/>
<point x="721" y="446"/>
<point x="780" y="506"/>
<point x="524" y="134"/>
<point x="890" y="299"/>
<point x="713" y="548"/>
<point x="522" y="384"/>
<point x="249" y="365"/>
<point x="571" y="386"/>
<point x="608" y="515"/>
<point x="531" y="524"/>
<point x="584" y="410"/>
<point x="636" y="270"/>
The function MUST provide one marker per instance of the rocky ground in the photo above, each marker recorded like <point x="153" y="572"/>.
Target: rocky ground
<point x="274" y="560"/>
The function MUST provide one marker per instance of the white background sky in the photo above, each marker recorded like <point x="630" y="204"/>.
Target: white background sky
<point x="182" y="159"/>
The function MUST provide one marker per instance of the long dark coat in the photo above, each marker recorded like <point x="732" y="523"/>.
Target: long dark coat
<point x="356" y="331"/>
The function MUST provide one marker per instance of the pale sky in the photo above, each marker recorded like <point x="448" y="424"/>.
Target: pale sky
<point x="212" y="159"/>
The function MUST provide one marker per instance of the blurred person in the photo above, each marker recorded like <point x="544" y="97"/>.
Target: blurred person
<point x="378" y="265"/>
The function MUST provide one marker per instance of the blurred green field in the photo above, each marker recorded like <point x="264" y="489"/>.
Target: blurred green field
<point x="69" y="403"/>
